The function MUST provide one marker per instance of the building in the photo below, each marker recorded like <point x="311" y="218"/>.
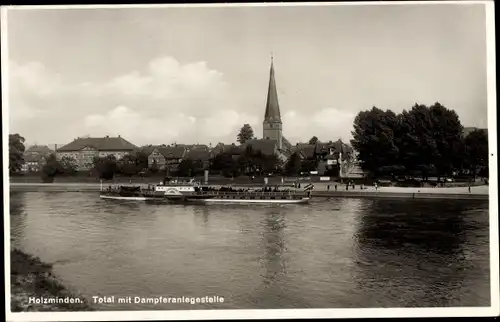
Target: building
<point x="34" y="158"/>
<point x="162" y="155"/>
<point x="305" y="151"/>
<point x="230" y="149"/>
<point x="200" y="157"/>
<point x="272" y="125"/>
<point x="42" y="150"/>
<point x="85" y="150"/>
<point x="33" y="163"/>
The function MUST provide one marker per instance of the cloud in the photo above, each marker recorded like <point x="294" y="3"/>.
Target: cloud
<point x="166" y="129"/>
<point x="166" y="102"/>
<point x="166" y="78"/>
<point x="327" y="124"/>
<point x="35" y="78"/>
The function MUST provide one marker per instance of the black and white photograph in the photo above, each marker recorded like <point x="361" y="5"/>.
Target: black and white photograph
<point x="263" y="160"/>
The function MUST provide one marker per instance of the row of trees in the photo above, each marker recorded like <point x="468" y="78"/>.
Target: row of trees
<point x="424" y="141"/>
<point x="105" y="167"/>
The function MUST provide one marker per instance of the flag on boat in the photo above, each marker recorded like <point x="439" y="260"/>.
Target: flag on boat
<point x="308" y="187"/>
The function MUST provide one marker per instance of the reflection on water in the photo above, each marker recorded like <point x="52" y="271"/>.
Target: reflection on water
<point x="439" y="247"/>
<point x="336" y="253"/>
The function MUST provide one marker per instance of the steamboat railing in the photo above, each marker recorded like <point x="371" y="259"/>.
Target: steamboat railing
<point x="252" y="194"/>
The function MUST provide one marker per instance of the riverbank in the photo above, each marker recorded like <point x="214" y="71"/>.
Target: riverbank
<point x="320" y="190"/>
<point x="35" y="288"/>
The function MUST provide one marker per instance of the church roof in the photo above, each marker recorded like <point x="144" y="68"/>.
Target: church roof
<point x="286" y="144"/>
<point x="272" y="105"/>
<point x="267" y="147"/>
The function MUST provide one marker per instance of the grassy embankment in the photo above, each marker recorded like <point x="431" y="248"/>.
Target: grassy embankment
<point x="32" y="279"/>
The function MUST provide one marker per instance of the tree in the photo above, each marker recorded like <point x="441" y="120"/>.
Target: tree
<point x="293" y="165"/>
<point x="476" y="152"/>
<point x="128" y="165"/>
<point x="141" y="159"/>
<point x="415" y="140"/>
<point x="106" y="167"/>
<point x="51" y="168"/>
<point x="423" y="140"/>
<point x="430" y="140"/>
<point x="68" y="165"/>
<point x="313" y="140"/>
<point x="186" y="168"/>
<point x="16" y="153"/>
<point x="248" y="161"/>
<point x="270" y="163"/>
<point x="223" y="161"/>
<point x="448" y="136"/>
<point x="374" y="138"/>
<point x="246" y="133"/>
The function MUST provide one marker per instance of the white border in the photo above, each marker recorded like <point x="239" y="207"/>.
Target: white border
<point x="251" y="4"/>
<point x="493" y="310"/>
<point x="493" y="153"/>
<point x="5" y="154"/>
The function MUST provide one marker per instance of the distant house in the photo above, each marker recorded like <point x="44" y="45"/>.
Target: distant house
<point x="34" y="157"/>
<point x="84" y="150"/>
<point x="39" y="150"/>
<point x="163" y="155"/>
<point x="200" y="156"/>
<point x="231" y="149"/>
<point x="305" y="151"/>
<point x="33" y="163"/>
<point x="327" y="155"/>
<point x="335" y="157"/>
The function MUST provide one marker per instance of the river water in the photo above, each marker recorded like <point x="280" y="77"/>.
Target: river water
<point x="336" y="253"/>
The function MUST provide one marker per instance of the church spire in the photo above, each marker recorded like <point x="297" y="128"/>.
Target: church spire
<point x="272" y="106"/>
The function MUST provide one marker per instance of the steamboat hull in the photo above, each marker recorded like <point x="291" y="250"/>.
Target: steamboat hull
<point x="130" y="198"/>
<point x="229" y="199"/>
<point x="256" y="201"/>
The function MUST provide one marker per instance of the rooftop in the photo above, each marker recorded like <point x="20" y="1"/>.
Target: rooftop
<point x="101" y="144"/>
<point x="40" y="149"/>
<point x="267" y="147"/>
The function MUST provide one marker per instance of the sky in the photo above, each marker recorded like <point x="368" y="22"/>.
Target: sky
<point x="196" y="75"/>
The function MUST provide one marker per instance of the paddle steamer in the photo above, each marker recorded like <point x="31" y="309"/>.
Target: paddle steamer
<point x="177" y="191"/>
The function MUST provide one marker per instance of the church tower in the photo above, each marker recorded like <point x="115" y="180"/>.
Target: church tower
<point x="272" y="126"/>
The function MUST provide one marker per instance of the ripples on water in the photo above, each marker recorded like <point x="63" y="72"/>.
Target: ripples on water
<point x="334" y="253"/>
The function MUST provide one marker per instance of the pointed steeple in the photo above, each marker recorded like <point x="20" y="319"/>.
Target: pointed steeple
<point x="272" y="106"/>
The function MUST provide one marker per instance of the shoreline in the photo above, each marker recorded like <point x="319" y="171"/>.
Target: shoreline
<point x="456" y="193"/>
<point x="34" y="288"/>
